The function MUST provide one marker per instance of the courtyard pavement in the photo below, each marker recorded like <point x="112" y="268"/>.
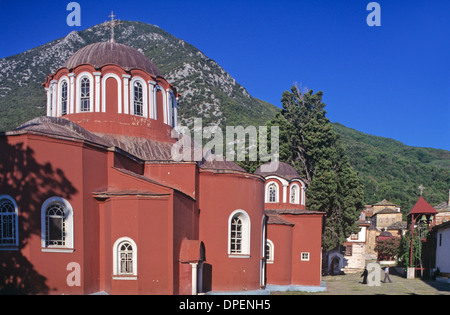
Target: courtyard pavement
<point x="351" y="284"/>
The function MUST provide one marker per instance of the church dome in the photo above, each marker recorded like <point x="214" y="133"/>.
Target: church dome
<point x="105" y="53"/>
<point x="284" y="170"/>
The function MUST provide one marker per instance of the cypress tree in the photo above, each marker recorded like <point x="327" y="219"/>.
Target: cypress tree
<point x="309" y="143"/>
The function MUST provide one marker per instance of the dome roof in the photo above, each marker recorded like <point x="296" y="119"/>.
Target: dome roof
<point x="104" y="53"/>
<point x="284" y="171"/>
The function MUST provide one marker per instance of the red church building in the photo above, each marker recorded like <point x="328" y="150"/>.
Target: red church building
<point x="293" y="248"/>
<point x="92" y="201"/>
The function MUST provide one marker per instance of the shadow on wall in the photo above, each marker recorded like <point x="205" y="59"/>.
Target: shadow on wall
<point x="30" y="184"/>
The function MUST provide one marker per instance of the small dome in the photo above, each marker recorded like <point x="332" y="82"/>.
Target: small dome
<point x="104" y="53"/>
<point x="284" y="171"/>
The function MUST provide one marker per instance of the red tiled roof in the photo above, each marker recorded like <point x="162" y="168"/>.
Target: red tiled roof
<point x="422" y="207"/>
<point x="284" y="171"/>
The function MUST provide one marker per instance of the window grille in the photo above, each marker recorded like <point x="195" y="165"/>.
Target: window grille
<point x="85" y="95"/>
<point x="64" y="98"/>
<point x="294" y="194"/>
<point x="7" y="223"/>
<point x="55" y="226"/>
<point x="236" y="235"/>
<point x="272" y="193"/>
<point x="125" y="258"/>
<point x="138" y="99"/>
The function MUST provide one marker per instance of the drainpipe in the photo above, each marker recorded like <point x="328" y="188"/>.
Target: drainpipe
<point x="194" y="278"/>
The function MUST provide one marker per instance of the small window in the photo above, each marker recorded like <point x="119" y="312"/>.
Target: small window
<point x="85" y="95"/>
<point x="348" y="250"/>
<point x="440" y="239"/>
<point x="269" y="252"/>
<point x="138" y="99"/>
<point x="8" y="222"/>
<point x="305" y="256"/>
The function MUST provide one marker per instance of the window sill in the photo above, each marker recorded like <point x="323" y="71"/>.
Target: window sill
<point x="130" y="277"/>
<point x="57" y="250"/>
<point x="238" y="256"/>
<point x="9" y="248"/>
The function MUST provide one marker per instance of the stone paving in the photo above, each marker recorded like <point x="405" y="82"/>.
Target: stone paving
<point x="351" y="284"/>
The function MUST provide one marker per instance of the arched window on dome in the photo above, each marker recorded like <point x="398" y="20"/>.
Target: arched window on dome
<point x="173" y="109"/>
<point x="239" y="234"/>
<point x="64" y="98"/>
<point x="295" y="194"/>
<point x="85" y="95"/>
<point x="138" y="99"/>
<point x="272" y="193"/>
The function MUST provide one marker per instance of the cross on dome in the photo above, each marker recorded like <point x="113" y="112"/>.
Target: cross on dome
<point x="112" y="24"/>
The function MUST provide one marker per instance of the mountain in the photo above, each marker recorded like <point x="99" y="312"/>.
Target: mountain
<point x="387" y="168"/>
<point x="391" y="170"/>
<point x="207" y="90"/>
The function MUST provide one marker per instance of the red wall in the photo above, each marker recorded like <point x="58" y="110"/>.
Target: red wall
<point x="279" y="272"/>
<point x="220" y="195"/>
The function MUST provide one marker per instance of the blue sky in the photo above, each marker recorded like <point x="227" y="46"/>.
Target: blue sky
<point x="391" y="81"/>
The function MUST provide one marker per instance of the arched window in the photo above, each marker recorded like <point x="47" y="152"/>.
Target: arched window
<point x="295" y="194"/>
<point x="8" y="222"/>
<point x="57" y="224"/>
<point x="138" y="99"/>
<point x="64" y="98"/>
<point x="272" y="193"/>
<point x="85" y="95"/>
<point x="239" y="234"/>
<point x="125" y="259"/>
<point x="269" y="252"/>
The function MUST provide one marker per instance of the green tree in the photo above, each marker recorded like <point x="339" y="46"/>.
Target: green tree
<point x="388" y="248"/>
<point x="309" y="143"/>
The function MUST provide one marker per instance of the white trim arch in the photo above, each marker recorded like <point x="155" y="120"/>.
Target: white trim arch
<point x="119" y="275"/>
<point x="64" y="79"/>
<point x="271" y="250"/>
<point x="91" y="92"/>
<point x="302" y="191"/>
<point x="15" y="224"/>
<point x="119" y="91"/>
<point x="144" y="96"/>
<point x="164" y="105"/>
<point x="173" y="109"/>
<point x="68" y="245"/>
<point x="152" y="99"/>
<point x="239" y="243"/>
